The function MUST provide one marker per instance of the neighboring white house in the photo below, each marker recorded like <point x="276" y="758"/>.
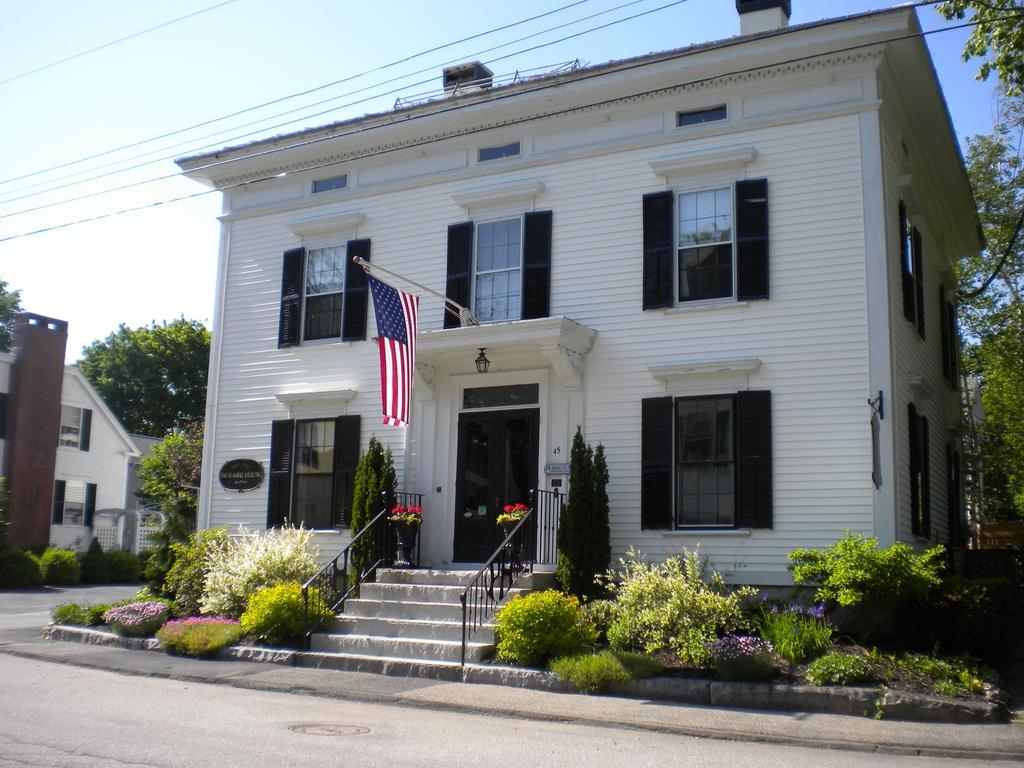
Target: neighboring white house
<point x="59" y="471"/>
<point x="710" y="259"/>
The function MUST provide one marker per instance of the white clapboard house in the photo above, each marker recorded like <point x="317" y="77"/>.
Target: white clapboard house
<point x="731" y="264"/>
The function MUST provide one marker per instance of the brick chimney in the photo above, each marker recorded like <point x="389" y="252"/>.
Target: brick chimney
<point x="763" y="15"/>
<point x="33" y="425"/>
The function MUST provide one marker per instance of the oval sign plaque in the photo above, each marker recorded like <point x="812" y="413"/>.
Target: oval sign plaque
<point x="241" y="475"/>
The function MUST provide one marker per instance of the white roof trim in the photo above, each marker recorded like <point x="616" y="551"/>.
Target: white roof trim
<point x="675" y="368"/>
<point x="322" y="225"/>
<point x="693" y="162"/>
<point x="316" y="396"/>
<point x="99" y="405"/>
<point x="503" y="195"/>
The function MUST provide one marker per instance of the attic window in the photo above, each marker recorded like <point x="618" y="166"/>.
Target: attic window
<point x="698" y="116"/>
<point x="326" y="185"/>
<point x="494" y="153"/>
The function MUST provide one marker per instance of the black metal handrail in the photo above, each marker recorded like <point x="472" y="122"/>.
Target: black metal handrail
<point x="370" y="548"/>
<point x="531" y="541"/>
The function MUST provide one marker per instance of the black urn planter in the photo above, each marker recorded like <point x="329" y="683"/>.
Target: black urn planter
<point x="515" y="546"/>
<point x="405" y="538"/>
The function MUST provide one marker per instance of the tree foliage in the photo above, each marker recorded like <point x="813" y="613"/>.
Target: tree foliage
<point x="998" y="38"/>
<point x="170" y="475"/>
<point x="10" y="305"/>
<point x="375" y="489"/>
<point x="154" y="377"/>
<point x="583" y="535"/>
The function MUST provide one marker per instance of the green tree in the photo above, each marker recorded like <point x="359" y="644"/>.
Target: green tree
<point x="153" y="378"/>
<point x="998" y="38"/>
<point x="583" y="536"/>
<point x="10" y="305"/>
<point x="375" y="489"/>
<point x="169" y="476"/>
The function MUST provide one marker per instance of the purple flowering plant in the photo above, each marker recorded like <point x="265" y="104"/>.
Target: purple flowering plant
<point x="798" y="632"/>
<point x="139" y="619"/>
<point x="738" y="657"/>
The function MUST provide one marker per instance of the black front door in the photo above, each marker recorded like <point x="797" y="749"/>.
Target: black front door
<point x="497" y="465"/>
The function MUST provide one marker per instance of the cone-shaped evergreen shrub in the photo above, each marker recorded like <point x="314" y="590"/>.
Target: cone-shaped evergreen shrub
<point x="375" y="488"/>
<point x="583" y="534"/>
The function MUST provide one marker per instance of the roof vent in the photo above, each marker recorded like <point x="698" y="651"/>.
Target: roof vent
<point x="763" y="15"/>
<point x="464" y="78"/>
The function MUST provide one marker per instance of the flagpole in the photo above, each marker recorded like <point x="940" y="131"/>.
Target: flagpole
<point x="463" y="313"/>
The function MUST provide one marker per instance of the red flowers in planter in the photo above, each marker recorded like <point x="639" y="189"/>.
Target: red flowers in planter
<point x="407" y="515"/>
<point x="512" y="514"/>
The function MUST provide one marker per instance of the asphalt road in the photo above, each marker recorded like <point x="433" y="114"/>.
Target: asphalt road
<point x="60" y="715"/>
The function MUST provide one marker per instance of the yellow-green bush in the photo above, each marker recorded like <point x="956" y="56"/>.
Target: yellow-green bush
<point x="275" y="615"/>
<point x="533" y="628"/>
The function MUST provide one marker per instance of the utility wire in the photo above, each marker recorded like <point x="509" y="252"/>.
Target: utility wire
<point x="220" y="142"/>
<point x="143" y="182"/>
<point x="499" y="97"/>
<point x="288" y="97"/>
<point x="141" y="32"/>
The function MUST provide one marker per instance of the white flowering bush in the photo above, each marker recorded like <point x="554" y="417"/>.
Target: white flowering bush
<point x="253" y="561"/>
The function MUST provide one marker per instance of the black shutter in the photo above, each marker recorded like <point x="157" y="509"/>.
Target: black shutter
<point x="754" y="459"/>
<point x="85" y="434"/>
<point x="58" y="502"/>
<point x="353" y="327"/>
<point x="656" y="463"/>
<point x="658" y="240"/>
<point x="905" y="261"/>
<point x="944" y="327"/>
<point x="954" y="503"/>
<point x="282" y="448"/>
<point x="926" y="484"/>
<point x="536" y="265"/>
<point x="954" y="345"/>
<point x="919" y="282"/>
<point x="460" y="268"/>
<point x="346" y="459"/>
<point x="752" y="239"/>
<point x="915" y="469"/>
<point x="293" y="274"/>
<point x="90" y="503"/>
<point x="3" y="415"/>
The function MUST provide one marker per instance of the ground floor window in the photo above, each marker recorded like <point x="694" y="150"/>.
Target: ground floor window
<point x="74" y="502"/>
<point x="314" y="474"/>
<point x="705" y="469"/>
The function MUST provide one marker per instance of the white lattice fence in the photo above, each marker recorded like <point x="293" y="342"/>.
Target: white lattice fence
<point x="108" y="536"/>
<point x="144" y="540"/>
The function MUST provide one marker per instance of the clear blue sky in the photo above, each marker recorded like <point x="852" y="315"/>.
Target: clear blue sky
<point x="160" y="263"/>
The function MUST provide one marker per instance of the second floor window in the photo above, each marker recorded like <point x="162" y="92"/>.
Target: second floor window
<point x="498" y="279"/>
<point x="705" y="241"/>
<point x="325" y="282"/>
<point x="75" y="427"/>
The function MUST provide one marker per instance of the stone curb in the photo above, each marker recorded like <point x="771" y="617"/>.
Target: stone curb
<point x="837" y="700"/>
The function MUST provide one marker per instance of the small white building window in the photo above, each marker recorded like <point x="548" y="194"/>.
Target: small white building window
<point x="325" y="282"/>
<point x="497" y="282"/>
<point x="70" y="426"/>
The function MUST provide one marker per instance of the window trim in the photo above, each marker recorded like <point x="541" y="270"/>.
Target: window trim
<point x="521" y="217"/>
<point x="676" y="525"/>
<point x="518" y="153"/>
<point x="78" y="435"/>
<point x="305" y="296"/>
<point x="341" y="181"/>
<point x="724" y="108"/>
<point x="732" y="298"/>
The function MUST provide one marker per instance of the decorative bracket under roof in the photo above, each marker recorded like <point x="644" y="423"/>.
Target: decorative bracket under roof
<point x="426" y="374"/>
<point x="566" y="362"/>
<point x="698" y="162"/>
<point x="322" y="225"/>
<point x="674" y="369"/>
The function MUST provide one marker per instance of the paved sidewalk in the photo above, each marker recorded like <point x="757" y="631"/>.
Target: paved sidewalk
<point x="1004" y="741"/>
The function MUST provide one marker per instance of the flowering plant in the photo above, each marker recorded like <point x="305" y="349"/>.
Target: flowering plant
<point x="512" y="514"/>
<point x="137" y="619"/>
<point x="407" y="515"/>
<point x="741" y="656"/>
<point x="199" y="636"/>
<point x="798" y="632"/>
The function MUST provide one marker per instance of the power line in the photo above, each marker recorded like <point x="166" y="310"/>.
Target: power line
<point x="499" y="97"/>
<point x="285" y="98"/>
<point x="143" y="182"/>
<point x="141" y="32"/>
<point x="221" y="142"/>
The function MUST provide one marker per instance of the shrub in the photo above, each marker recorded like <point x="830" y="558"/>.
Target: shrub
<point x="198" y="636"/>
<point x="254" y="561"/>
<point x="854" y="571"/>
<point x="95" y="566"/>
<point x="70" y="613"/>
<point x="838" y="669"/>
<point x="600" y="614"/>
<point x="945" y="676"/>
<point x="739" y="657"/>
<point x="137" y="619"/>
<point x="275" y="615"/>
<point x="125" y="568"/>
<point x="583" y="533"/>
<point x="533" y="628"/>
<point x="595" y="672"/>
<point x="373" y="490"/>
<point x="60" y="566"/>
<point x="186" y="579"/>
<point x="671" y="606"/>
<point x="94" y="614"/>
<point x="19" y="569"/>
<point x="797" y="633"/>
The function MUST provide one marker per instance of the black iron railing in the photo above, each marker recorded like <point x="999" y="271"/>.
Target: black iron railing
<point x="531" y="541"/>
<point x="326" y="592"/>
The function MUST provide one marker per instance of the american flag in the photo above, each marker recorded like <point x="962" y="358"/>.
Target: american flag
<point x="396" y="337"/>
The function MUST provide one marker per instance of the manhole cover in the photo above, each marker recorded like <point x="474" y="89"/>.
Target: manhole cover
<point x="328" y="729"/>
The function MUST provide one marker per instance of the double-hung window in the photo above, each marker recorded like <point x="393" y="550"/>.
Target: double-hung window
<point x="314" y="474"/>
<point x="709" y="243"/>
<point x="74" y="502"/>
<point x="705" y="466"/>
<point x="498" y="277"/>
<point x="704" y="268"/>
<point x="912" y="271"/>
<point x="75" y="427"/>
<point x="325" y="283"/>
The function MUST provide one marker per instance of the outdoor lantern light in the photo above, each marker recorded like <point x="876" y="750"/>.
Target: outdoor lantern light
<point x="482" y="363"/>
